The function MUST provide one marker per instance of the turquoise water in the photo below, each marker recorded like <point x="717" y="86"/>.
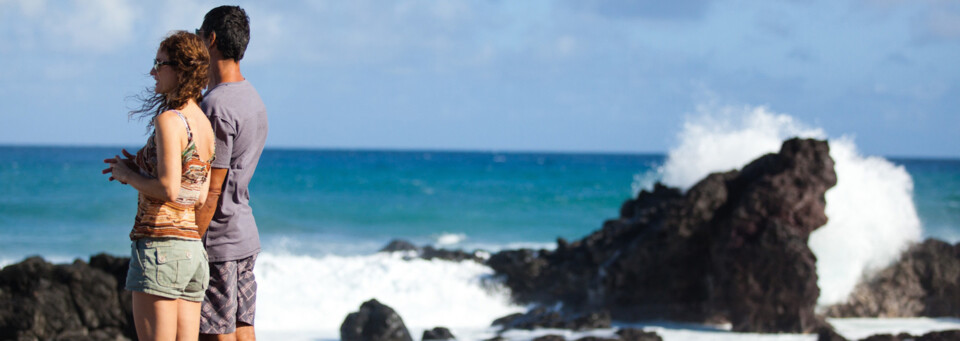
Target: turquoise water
<point x="936" y="196"/>
<point x="56" y="203"/>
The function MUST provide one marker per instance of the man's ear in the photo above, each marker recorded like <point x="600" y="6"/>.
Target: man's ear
<point x="213" y="41"/>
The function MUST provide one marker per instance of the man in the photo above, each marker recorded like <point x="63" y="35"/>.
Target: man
<point x="239" y="121"/>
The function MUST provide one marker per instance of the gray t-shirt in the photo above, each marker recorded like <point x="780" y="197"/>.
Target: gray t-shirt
<point x="239" y="121"/>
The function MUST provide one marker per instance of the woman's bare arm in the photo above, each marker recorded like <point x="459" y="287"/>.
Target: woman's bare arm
<point x="169" y="139"/>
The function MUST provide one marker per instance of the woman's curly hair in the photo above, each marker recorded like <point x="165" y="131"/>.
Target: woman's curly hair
<point x="192" y="62"/>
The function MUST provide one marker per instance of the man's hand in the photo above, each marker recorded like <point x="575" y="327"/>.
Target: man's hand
<point x="206" y="211"/>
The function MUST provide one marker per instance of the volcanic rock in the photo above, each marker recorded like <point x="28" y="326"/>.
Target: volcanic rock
<point x="948" y="335"/>
<point x="429" y="252"/>
<point x="550" y="337"/>
<point x="374" y="322"/>
<point x="438" y="333"/>
<point x="542" y="317"/>
<point x="595" y="338"/>
<point x="925" y="281"/>
<point x="399" y="245"/>
<point x="39" y="300"/>
<point x="630" y="334"/>
<point x="733" y="248"/>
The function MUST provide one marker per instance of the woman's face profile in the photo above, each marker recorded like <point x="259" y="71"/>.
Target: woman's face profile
<point x="164" y="75"/>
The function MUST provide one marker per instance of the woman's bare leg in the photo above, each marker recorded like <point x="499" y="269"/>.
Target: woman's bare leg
<point x="188" y="320"/>
<point x="155" y="317"/>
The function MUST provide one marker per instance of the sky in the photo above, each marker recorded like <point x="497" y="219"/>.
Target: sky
<point x="567" y="76"/>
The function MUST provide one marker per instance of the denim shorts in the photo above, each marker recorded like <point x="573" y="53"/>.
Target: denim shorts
<point x="170" y="268"/>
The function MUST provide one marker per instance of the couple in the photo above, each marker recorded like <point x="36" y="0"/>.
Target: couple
<point x="186" y="279"/>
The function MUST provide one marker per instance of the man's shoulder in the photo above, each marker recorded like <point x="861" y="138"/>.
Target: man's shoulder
<point x="224" y="91"/>
<point x="243" y="86"/>
<point x="230" y="99"/>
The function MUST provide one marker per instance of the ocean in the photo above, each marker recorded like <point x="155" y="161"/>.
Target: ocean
<point x="323" y="214"/>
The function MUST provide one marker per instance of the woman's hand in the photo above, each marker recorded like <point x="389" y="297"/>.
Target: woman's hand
<point x="121" y="168"/>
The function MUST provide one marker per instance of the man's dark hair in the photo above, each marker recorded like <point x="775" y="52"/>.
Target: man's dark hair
<point x="232" y="26"/>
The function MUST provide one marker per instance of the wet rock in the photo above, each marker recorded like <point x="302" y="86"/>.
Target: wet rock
<point x="595" y="338"/>
<point x="399" y="245"/>
<point x="946" y="335"/>
<point x="429" y="252"/>
<point x="550" y="337"/>
<point x="827" y="333"/>
<point x="523" y="272"/>
<point x="733" y="249"/>
<point x="940" y="336"/>
<point x="542" y="317"/>
<point x="630" y="334"/>
<point x="889" y="337"/>
<point x="374" y="322"/>
<point x="39" y="300"/>
<point x="925" y="281"/>
<point x="438" y="333"/>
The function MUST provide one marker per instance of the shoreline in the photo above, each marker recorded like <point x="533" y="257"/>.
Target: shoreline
<point x="850" y="328"/>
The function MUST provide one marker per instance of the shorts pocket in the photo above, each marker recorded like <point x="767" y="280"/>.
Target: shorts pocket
<point x="173" y="266"/>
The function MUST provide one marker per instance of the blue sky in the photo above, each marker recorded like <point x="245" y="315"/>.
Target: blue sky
<point x="588" y="75"/>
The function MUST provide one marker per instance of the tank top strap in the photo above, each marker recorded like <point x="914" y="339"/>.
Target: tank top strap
<point x="189" y="134"/>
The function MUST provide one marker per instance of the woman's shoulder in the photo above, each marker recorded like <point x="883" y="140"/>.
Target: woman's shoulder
<point x="166" y="119"/>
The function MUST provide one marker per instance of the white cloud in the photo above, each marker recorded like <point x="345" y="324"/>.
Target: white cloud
<point x="178" y="15"/>
<point x="94" y="26"/>
<point x="267" y="38"/>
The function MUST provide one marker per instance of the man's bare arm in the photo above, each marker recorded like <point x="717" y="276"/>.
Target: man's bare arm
<point x="205" y="213"/>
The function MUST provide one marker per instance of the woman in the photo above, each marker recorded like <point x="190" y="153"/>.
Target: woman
<point x="168" y="270"/>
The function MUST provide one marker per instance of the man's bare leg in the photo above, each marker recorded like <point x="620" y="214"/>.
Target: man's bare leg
<point x="244" y="332"/>
<point x="218" y="337"/>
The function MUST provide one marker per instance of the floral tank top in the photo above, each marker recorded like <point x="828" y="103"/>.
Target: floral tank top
<point x="171" y="219"/>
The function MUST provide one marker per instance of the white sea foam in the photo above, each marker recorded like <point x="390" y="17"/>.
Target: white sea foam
<point x="449" y="239"/>
<point x="315" y="294"/>
<point x="872" y="217"/>
<point x="853" y="329"/>
<point x="726" y="138"/>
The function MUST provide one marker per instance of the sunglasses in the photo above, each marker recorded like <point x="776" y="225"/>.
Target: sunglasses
<point x="157" y="64"/>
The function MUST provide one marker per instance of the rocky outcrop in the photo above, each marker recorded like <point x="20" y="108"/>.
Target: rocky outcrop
<point x="550" y="337"/>
<point x="630" y="334"/>
<point x="948" y="335"/>
<point x="925" y="281"/>
<point x="438" y="333"/>
<point x="733" y="249"/>
<point x="429" y="252"/>
<point x="542" y="317"/>
<point x="827" y="333"/>
<point x="374" y="322"/>
<point x="40" y="301"/>
<point x="622" y="335"/>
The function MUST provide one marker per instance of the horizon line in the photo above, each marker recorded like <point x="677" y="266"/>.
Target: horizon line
<point x="455" y="150"/>
<point x="371" y="149"/>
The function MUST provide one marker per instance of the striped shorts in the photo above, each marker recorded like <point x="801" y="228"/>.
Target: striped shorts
<point x="231" y="297"/>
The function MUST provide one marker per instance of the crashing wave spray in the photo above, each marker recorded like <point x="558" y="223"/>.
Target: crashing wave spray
<point x="872" y="217"/>
<point x="313" y="295"/>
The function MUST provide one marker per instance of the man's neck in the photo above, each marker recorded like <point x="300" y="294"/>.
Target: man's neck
<point x="224" y="71"/>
